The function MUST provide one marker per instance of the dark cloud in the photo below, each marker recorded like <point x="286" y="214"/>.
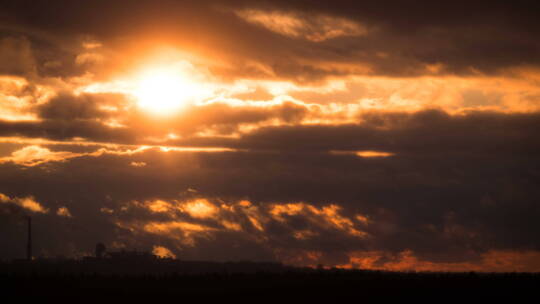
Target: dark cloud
<point x="66" y="106"/>
<point x="402" y="38"/>
<point x="444" y="207"/>
<point x="32" y="54"/>
<point x="423" y="132"/>
<point x="66" y="116"/>
<point x="17" y="58"/>
<point x="226" y="119"/>
<point x="66" y="130"/>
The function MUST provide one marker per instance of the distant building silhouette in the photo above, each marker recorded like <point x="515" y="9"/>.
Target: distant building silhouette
<point x="101" y="250"/>
<point x="132" y="256"/>
<point x="122" y="255"/>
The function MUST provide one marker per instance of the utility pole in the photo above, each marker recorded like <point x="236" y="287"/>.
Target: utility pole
<point x="29" y="244"/>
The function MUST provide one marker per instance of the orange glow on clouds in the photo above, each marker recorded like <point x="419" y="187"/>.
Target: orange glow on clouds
<point x="35" y="155"/>
<point x="200" y="208"/>
<point x="184" y="232"/>
<point x="373" y="154"/>
<point x="314" y="28"/>
<point x="158" y="206"/>
<point x="206" y="218"/>
<point x="28" y="203"/>
<point x="327" y="217"/>
<point x="63" y="211"/>
<point x="364" y="153"/>
<point x="163" y="252"/>
<point x="493" y="260"/>
<point x="16" y="99"/>
<point x="162" y="88"/>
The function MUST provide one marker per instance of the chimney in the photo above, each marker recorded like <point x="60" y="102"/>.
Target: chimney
<point x="29" y="244"/>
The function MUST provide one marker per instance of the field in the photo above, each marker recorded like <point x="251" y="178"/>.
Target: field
<point x="257" y="282"/>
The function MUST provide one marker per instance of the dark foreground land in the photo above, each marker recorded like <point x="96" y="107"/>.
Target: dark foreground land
<point x="188" y="282"/>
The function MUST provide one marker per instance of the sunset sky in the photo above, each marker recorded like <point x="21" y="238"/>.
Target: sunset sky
<point x="398" y="135"/>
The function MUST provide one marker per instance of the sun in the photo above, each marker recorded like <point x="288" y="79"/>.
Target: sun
<point x="164" y="91"/>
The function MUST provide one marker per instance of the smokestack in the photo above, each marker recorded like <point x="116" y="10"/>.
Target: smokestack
<point x="29" y="244"/>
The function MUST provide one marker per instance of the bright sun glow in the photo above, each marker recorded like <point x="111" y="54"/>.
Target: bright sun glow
<point x="163" y="91"/>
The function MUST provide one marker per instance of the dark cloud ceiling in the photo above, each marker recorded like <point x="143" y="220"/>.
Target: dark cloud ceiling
<point x="402" y="36"/>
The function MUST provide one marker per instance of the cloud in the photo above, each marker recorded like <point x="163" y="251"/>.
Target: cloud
<point x="66" y="130"/>
<point x="492" y="261"/>
<point x="63" y="211"/>
<point x="66" y="106"/>
<point x="314" y="28"/>
<point x="327" y="216"/>
<point x="431" y="36"/>
<point x="444" y="207"/>
<point x="190" y="222"/>
<point x="16" y="56"/>
<point x="28" y="203"/>
<point x="36" y="155"/>
<point x="163" y="252"/>
<point x="17" y="96"/>
<point x="422" y="132"/>
<point x="200" y="208"/>
<point x="185" y="233"/>
<point x="137" y="164"/>
<point x="366" y="153"/>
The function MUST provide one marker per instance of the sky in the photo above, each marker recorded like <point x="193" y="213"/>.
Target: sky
<point x="396" y="135"/>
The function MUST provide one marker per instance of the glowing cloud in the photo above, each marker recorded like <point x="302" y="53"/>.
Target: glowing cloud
<point x="28" y="203"/>
<point x="137" y="164"/>
<point x="364" y="153"/>
<point x="158" y="206"/>
<point x="373" y="154"/>
<point x="200" y="208"/>
<point x="31" y="204"/>
<point x="325" y="217"/>
<point x="493" y="260"/>
<point x="163" y="252"/>
<point x="315" y="28"/>
<point x="35" y="155"/>
<point x="186" y="233"/>
<point x="63" y="211"/>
